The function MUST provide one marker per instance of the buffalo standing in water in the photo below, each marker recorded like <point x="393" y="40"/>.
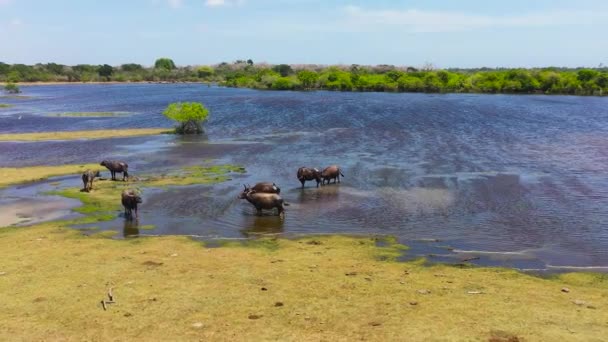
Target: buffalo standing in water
<point x="87" y="178"/>
<point x="265" y="187"/>
<point x="116" y="166"/>
<point x="331" y="172"/>
<point x="130" y="199"/>
<point x="266" y="201"/>
<point x="308" y="174"/>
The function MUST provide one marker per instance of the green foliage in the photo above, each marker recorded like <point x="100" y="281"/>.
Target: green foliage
<point x="205" y="71"/>
<point x="283" y="69"/>
<point x="189" y="116"/>
<point x="164" y="63"/>
<point x="105" y="70"/>
<point x="384" y="78"/>
<point x="12" y="88"/>
<point x="308" y="78"/>
<point x="131" y="67"/>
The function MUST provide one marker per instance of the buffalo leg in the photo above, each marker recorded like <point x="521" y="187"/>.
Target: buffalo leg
<point x="303" y="181"/>
<point x="259" y="211"/>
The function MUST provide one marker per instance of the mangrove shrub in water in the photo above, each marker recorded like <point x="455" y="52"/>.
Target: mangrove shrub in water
<point x="189" y="116"/>
<point x="12" y="88"/>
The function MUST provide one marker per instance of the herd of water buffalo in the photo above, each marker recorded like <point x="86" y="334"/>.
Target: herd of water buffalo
<point x="264" y="195"/>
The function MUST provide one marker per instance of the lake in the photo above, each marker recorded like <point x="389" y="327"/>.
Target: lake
<point x="516" y="181"/>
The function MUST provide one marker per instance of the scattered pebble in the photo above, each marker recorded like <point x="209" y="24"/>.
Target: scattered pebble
<point x="264" y="289"/>
<point x="424" y="291"/>
<point x="414" y="303"/>
<point x="579" y="302"/>
<point x="314" y="242"/>
<point x="475" y="292"/>
<point x="401" y="282"/>
<point x="591" y="307"/>
<point x="2" y="273"/>
<point x="128" y="314"/>
<point x="174" y="254"/>
<point x="197" y="325"/>
<point x="375" y="324"/>
<point x="277" y="304"/>
<point x="368" y="279"/>
<point x="255" y="316"/>
<point x="565" y="290"/>
<point x="350" y="274"/>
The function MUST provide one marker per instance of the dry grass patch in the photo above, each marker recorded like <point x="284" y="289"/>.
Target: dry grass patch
<point x="77" y="135"/>
<point x="335" y="288"/>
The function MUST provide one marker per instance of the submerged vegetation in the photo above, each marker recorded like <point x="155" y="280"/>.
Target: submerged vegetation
<point x="102" y="203"/>
<point x="388" y="78"/>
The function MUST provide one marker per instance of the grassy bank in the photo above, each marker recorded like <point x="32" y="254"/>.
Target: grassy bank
<point x="10" y="176"/>
<point x="53" y="279"/>
<point x="5" y="105"/>
<point x="77" y="135"/>
<point x="322" y="288"/>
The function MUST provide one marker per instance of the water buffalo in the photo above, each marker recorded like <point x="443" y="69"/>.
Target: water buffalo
<point x="265" y="187"/>
<point x="308" y="174"/>
<point x="266" y="201"/>
<point x="130" y="199"/>
<point x="331" y="172"/>
<point x="116" y="166"/>
<point x="87" y="178"/>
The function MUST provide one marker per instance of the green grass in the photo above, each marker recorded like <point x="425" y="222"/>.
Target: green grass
<point x="5" y="105"/>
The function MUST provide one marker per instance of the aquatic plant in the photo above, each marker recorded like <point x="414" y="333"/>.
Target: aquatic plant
<point x="12" y="88"/>
<point x="189" y="116"/>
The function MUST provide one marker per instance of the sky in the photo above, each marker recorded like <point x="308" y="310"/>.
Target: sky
<point x="446" y="33"/>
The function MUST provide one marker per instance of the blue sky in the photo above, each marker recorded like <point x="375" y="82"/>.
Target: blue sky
<point x="448" y="33"/>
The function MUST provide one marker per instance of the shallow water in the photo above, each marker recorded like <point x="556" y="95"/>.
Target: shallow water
<point x="521" y="175"/>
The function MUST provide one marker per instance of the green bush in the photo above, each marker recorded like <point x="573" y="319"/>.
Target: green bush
<point x="188" y="115"/>
<point x="12" y="88"/>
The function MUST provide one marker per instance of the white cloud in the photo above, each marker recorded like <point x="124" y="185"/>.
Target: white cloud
<point x="15" y="22"/>
<point x="173" y="3"/>
<point x="223" y="3"/>
<point x="413" y="20"/>
<point x="5" y="2"/>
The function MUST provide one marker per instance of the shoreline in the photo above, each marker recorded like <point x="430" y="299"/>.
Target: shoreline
<point x="2" y="84"/>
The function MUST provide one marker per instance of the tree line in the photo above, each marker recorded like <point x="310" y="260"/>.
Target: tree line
<point x="385" y="78"/>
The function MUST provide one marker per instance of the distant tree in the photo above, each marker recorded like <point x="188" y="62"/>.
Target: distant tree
<point x="204" y="71"/>
<point x="164" y="63"/>
<point x="602" y="80"/>
<point x="283" y="69"/>
<point x="308" y="78"/>
<point x="131" y="67"/>
<point x="189" y="116"/>
<point x="585" y="75"/>
<point x="4" y="68"/>
<point x="250" y="62"/>
<point x="55" y="68"/>
<point x="105" y="70"/>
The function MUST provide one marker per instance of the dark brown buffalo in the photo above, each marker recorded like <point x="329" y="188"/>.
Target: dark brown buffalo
<point x="87" y="178"/>
<point x="331" y="172"/>
<point x="308" y="174"/>
<point x="130" y="199"/>
<point x="116" y="166"/>
<point x="266" y="201"/>
<point x="265" y="187"/>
